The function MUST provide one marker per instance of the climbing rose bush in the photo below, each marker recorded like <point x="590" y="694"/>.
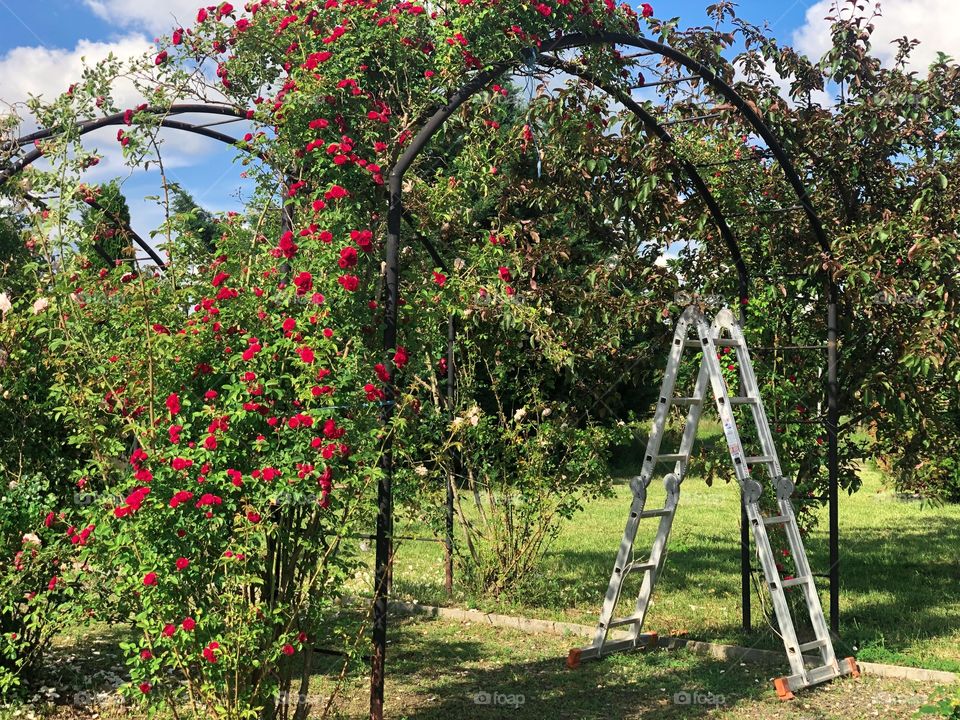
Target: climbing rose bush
<point x="231" y="408"/>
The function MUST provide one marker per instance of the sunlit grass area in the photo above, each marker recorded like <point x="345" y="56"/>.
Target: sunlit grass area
<point x="900" y="572"/>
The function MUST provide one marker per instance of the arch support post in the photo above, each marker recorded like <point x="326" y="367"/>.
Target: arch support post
<point x="384" y="540"/>
<point x="833" y="457"/>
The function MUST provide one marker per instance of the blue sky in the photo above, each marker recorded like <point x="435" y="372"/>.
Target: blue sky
<point x="42" y="41"/>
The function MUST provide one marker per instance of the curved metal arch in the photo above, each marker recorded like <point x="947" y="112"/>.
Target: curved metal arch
<point x="118" y="119"/>
<point x="86" y="126"/>
<point x="656" y="129"/>
<point x="89" y="126"/>
<point x="578" y="40"/>
<point x="392" y="256"/>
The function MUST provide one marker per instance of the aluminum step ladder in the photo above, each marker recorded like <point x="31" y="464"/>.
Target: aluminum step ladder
<point x="723" y="332"/>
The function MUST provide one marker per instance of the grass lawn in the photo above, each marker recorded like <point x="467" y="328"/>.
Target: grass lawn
<point x="439" y="669"/>
<point x="900" y="572"/>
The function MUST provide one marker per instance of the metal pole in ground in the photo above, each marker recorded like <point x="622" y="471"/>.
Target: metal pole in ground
<point x="384" y="542"/>
<point x="833" y="464"/>
<point x="745" y="562"/>
<point x="454" y="455"/>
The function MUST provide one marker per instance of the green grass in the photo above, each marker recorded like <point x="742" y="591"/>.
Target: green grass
<point x="437" y="668"/>
<point x="900" y="572"/>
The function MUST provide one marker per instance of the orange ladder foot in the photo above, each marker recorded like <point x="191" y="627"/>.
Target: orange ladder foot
<point x="783" y="689"/>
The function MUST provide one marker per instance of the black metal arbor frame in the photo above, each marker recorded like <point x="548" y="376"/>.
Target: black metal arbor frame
<point x="543" y="57"/>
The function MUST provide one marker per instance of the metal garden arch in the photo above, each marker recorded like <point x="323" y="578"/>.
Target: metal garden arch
<point x="544" y="56"/>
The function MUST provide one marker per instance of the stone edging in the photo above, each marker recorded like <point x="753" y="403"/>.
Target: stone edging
<point x="731" y="653"/>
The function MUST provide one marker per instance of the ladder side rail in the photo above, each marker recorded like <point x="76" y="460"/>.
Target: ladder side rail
<point x="751" y="493"/>
<point x="673" y="497"/>
<point x="620" y="568"/>
<point x="687" y="320"/>
<point x="657" y="555"/>
<point x="797" y="549"/>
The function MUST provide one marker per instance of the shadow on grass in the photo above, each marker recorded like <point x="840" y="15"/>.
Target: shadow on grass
<point x="896" y="588"/>
<point x="441" y="681"/>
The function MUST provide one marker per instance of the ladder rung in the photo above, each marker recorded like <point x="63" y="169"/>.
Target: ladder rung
<point x="655" y="513"/>
<point x="824" y="672"/>
<point x="742" y="400"/>
<point x="687" y="401"/>
<point x="813" y="644"/>
<point x="796" y="581"/>
<point x="672" y="458"/>
<point x="727" y="342"/>
<point x="776" y="520"/>
<point x="757" y="459"/>
<point x="617" y="622"/>
<point x="692" y="343"/>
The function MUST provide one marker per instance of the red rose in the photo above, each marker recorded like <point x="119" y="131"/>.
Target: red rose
<point x="253" y="517"/>
<point x="188" y="624"/>
<point x="349" y="282"/>
<point x="209" y="653"/>
<point x="169" y="629"/>
<point x="288" y="649"/>
<point x="161" y="58"/>
<point x="348" y="258"/>
<point x="439" y="278"/>
<point x="145" y="654"/>
<point x="173" y="404"/>
<point x="150" y="579"/>
<point x="400" y="357"/>
<point x="336" y="192"/>
<point x="144" y="687"/>
<point x="646" y="10"/>
<point x="303" y="283"/>
<point x="182" y="563"/>
<point x="179" y="463"/>
<point x="306" y="355"/>
<point x="317" y="58"/>
<point x="363" y="239"/>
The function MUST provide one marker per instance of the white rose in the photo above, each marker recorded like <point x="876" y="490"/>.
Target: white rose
<point x="40" y="305"/>
<point x="5" y="305"/>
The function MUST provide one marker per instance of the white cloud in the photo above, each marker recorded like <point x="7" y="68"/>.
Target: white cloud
<point x="936" y="23"/>
<point x="156" y="17"/>
<point x="47" y="71"/>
